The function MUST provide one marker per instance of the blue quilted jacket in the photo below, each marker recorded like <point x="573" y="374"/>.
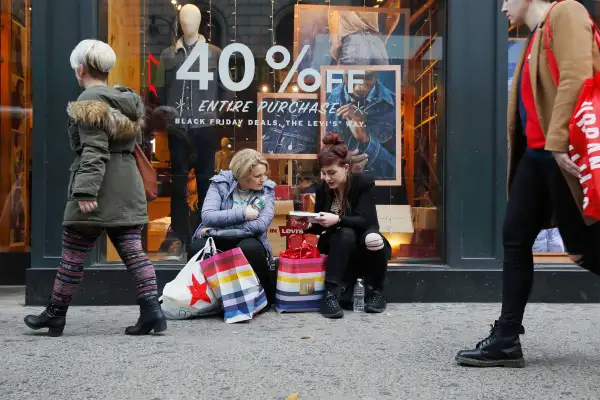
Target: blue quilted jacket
<point x="218" y="211"/>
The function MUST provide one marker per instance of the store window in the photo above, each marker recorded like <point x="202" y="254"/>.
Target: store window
<point x="272" y="78"/>
<point x="15" y="125"/>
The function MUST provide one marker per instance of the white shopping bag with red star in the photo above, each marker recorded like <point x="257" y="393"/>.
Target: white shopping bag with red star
<point x="188" y="295"/>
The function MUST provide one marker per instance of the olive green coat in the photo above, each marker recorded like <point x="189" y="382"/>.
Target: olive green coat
<point x="104" y="124"/>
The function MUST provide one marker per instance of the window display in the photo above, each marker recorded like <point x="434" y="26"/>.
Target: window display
<point x="15" y="125"/>
<point x="219" y="77"/>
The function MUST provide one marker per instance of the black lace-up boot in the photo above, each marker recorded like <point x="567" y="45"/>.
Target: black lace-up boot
<point x="375" y="302"/>
<point x="502" y="348"/>
<point x="151" y="318"/>
<point x="330" y="306"/>
<point x="53" y="318"/>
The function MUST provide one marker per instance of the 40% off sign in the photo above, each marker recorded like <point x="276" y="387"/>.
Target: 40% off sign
<point x="204" y="75"/>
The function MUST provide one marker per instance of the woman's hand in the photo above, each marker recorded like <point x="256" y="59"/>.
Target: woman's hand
<point x="204" y="231"/>
<point x="564" y="161"/>
<point x="327" y="219"/>
<point x="87" y="206"/>
<point x="251" y="214"/>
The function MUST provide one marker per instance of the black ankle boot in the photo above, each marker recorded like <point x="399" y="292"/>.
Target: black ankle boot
<point x="151" y="318"/>
<point x="53" y="318"/>
<point x="330" y="305"/>
<point x="502" y="348"/>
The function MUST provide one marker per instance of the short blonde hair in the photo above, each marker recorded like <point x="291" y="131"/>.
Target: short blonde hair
<point x="93" y="54"/>
<point x="244" y="161"/>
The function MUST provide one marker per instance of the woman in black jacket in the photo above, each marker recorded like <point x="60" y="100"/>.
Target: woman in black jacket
<point x="349" y="232"/>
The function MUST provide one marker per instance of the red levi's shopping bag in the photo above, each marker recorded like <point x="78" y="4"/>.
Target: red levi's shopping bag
<point x="584" y="128"/>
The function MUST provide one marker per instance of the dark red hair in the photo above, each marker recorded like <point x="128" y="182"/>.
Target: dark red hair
<point x="334" y="151"/>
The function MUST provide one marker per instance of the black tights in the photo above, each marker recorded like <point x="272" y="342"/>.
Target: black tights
<point x="539" y="190"/>
<point x="349" y="259"/>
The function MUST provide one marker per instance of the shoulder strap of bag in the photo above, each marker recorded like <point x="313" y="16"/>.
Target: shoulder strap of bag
<point x="147" y="172"/>
<point x="552" y="63"/>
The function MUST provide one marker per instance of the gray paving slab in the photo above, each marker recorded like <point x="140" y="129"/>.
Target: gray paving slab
<point x="406" y="353"/>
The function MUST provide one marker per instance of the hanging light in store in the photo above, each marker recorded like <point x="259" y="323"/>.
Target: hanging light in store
<point x="264" y="88"/>
<point x="272" y="29"/>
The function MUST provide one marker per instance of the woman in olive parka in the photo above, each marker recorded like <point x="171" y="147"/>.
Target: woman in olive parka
<point x="105" y="191"/>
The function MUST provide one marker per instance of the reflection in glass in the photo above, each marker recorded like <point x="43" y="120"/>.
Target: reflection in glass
<point x="191" y="133"/>
<point x="15" y="128"/>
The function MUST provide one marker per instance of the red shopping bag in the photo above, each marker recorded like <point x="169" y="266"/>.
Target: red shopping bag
<point x="584" y="148"/>
<point x="584" y="129"/>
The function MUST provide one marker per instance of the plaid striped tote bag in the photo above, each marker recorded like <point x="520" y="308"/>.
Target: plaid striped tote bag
<point x="233" y="280"/>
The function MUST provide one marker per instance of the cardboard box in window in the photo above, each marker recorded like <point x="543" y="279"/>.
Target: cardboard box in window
<point x="395" y="223"/>
<point x="278" y="242"/>
<point x="308" y="202"/>
<point x="424" y="218"/>
<point x="284" y="193"/>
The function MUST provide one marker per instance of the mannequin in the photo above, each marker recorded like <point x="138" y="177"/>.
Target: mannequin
<point x="223" y="156"/>
<point x="190" y="18"/>
<point x="190" y="127"/>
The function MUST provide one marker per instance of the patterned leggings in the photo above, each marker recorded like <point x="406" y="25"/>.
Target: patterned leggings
<point x="77" y="242"/>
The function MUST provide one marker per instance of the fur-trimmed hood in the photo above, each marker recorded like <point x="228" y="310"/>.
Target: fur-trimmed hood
<point x="116" y="110"/>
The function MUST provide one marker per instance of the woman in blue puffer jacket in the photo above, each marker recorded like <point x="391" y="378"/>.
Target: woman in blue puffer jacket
<point x="237" y="212"/>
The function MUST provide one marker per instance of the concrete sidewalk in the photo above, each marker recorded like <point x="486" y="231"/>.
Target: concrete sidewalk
<point x="406" y="353"/>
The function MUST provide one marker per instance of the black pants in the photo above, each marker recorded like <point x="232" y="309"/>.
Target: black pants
<point x="191" y="148"/>
<point x="255" y="254"/>
<point x="539" y="190"/>
<point x="349" y="259"/>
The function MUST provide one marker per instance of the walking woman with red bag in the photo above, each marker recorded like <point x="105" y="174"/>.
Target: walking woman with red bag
<point x="543" y="182"/>
<point x="106" y="191"/>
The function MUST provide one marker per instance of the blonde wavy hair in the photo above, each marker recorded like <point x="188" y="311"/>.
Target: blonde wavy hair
<point x="244" y="161"/>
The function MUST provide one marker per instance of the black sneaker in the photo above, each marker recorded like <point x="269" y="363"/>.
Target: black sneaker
<point x="346" y="293"/>
<point x="330" y="306"/>
<point x="502" y="348"/>
<point x="375" y="302"/>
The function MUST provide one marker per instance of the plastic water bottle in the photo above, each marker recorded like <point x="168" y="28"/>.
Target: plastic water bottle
<point x="359" y="296"/>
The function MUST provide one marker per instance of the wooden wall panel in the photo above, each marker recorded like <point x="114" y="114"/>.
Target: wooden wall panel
<point x="124" y="37"/>
<point x="4" y="122"/>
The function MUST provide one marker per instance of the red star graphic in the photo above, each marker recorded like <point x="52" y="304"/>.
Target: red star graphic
<point x="198" y="291"/>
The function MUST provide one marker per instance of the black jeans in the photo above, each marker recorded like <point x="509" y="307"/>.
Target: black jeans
<point x="255" y="254"/>
<point x="191" y="148"/>
<point x="539" y="189"/>
<point x="349" y="259"/>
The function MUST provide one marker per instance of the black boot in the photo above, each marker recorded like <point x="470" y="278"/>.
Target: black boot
<point x="375" y="302"/>
<point x="53" y="318"/>
<point x="151" y="318"/>
<point x="330" y="306"/>
<point x="502" y="348"/>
